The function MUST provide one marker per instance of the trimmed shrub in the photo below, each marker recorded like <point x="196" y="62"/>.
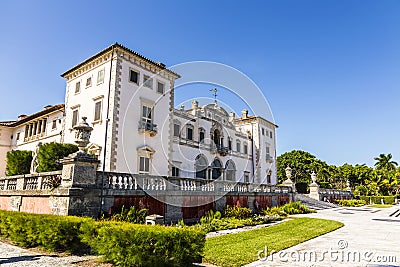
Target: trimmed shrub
<point x="51" y="232"/>
<point x="350" y="202"/>
<point x="49" y="155"/>
<point x="236" y="212"/>
<point x="126" y="244"/>
<point x="18" y="162"/>
<point x="377" y="199"/>
<point x="288" y="209"/>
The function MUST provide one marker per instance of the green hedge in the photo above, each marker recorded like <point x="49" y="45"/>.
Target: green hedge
<point x="350" y="202"/>
<point x="49" y="155"/>
<point x="126" y="244"/>
<point x="377" y="199"/>
<point x="51" y="232"/>
<point x="18" y="162"/>
<point x="123" y="244"/>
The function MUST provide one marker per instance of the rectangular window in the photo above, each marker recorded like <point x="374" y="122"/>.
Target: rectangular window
<point x="97" y="110"/>
<point x="245" y="149"/>
<point x="270" y="134"/>
<point x="229" y="144"/>
<point x="18" y="134"/>
<point x="238" y="146"/>
<point x="189" y="134"/>
<point x="89" y="82"/>
<point x="246" y="177"/>
<point x="262" y="131"/>
<point x="201" y="136"/>
<point x="175" y="172"/>
<point x="267" y="152"/>
<point x="75" y="117"/>
<point x="100" y="76"/>
<point x="160" y="88"/>
<point x="144" y="165"/>
<point x="134" y="76"/>
<point x="146" y="114"/>
<point x="54" y="125"/>
<point x="77" y="87"/>
<point x="176" y="130"/>
<point x="268" y="178"/>
<point x="147" y="81"/>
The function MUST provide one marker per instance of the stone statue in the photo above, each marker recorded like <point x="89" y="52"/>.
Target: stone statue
<point x="35" y="160"/>
<point x="313" y="177"/>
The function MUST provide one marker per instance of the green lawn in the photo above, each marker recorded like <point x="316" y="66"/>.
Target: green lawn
<point x="242" y="248"/>
<point x="380" y="206"/>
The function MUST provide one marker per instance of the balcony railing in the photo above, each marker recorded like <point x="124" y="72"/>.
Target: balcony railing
<point x="148" y="127"/>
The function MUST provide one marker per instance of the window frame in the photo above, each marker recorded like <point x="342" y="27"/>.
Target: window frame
<point x="77" y="87"/>
<point x="137" y="77"/>
<point x="163" y="87"/>
<point x="146" y="159"/>
<point x="100" y="110"/>
<point x="98" y="76"/>
<point x="91" y="82"/>
<point x="147" y="82"/>
<point x="75" y="119"/>
<point x="54" y="125"/>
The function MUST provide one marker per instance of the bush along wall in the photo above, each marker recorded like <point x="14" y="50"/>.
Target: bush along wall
<point x="49" y="155"/>
<point x="121" y="243"/>
<point x="18" y="162"/>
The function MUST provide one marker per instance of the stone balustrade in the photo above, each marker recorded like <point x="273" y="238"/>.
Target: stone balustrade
<point x="39" y="181"/>
<point x="127" y="181"/>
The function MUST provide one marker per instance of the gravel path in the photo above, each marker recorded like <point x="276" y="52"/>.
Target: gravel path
<point x="12" y="256"/>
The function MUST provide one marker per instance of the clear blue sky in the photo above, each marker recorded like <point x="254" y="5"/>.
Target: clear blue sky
<point x="329" y="69"/>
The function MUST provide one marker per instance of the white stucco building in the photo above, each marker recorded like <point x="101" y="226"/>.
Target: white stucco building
<point x="129" y="101"/>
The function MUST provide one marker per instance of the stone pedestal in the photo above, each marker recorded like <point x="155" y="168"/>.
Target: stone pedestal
<point x="79" y="169"/>
<point x="290" y="183"/>
<point x="314" y="191"/>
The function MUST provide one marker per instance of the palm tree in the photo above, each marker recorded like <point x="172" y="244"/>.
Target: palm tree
<point x="384" y="162"/>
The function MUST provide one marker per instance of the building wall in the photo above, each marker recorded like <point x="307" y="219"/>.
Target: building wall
<point x="129" y="139"/>
<point x="85" y="100"/>
<point x="5" y="139"/>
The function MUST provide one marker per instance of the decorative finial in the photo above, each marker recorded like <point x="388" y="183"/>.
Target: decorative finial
<point x="215" y="90"/>
<point x="82" y="134"/>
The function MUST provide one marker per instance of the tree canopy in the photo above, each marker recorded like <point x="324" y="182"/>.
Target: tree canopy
<point x="384" y="179"/>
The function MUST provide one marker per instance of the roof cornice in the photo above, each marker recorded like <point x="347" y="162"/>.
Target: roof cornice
<point x="158" y="66"/>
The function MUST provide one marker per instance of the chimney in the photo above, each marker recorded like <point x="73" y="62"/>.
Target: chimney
<point x="244" y="113"/>
<point x="232" y="116"/>
<point x="22" y="116"/>
<point x="162" y="65"/>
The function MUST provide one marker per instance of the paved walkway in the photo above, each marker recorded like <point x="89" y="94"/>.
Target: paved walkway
<point x="369" y="238"/>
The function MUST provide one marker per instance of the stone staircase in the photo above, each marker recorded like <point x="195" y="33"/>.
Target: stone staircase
<point x="313" y="203"/>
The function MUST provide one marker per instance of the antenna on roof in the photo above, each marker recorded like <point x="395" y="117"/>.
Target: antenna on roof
<point x="215" y="95"/>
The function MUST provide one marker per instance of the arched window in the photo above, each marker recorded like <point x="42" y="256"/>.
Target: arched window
<point x="201" y="165"/>
<point x="216" y="169"/>
<point x="230" y="170"/>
